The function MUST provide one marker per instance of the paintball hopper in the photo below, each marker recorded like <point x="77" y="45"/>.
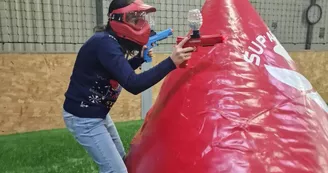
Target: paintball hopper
<point x="195" y="20"/>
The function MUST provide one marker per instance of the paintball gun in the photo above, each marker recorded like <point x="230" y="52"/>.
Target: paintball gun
<point x="154" y="39"/>
<point x="195" y="20"/>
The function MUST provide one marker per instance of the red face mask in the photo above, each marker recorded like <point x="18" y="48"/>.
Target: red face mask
<point x="132" y="22"/>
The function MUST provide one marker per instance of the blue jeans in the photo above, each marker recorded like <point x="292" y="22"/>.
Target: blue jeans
<point x="100" y="139"/>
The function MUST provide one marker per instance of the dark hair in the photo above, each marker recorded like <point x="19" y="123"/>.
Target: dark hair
<point x="129" y="48"/>
<point x="116" y="4"/>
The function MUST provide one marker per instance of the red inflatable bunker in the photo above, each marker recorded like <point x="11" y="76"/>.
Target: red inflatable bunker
<point x="240" y="107"/>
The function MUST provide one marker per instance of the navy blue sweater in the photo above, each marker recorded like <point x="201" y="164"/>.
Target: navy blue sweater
<point x="101" y="71"/>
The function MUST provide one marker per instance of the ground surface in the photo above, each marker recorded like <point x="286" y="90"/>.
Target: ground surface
<point x="53" y="151"/>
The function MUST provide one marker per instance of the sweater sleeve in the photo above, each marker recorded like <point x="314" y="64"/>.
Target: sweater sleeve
<point x="136" y="62"/>
<point x="112" y="58"/>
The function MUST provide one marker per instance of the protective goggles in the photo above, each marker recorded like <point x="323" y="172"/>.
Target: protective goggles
<point x="138" y="20"/>
<point x="137" y="15"/>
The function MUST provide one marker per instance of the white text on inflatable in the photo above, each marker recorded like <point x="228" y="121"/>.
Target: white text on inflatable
<point x="252" y="55"/>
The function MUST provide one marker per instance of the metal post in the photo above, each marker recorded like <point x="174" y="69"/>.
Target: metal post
<point x="99" y="12"/>
<point x="146" y="96"/>
<point x="309" y="34"/>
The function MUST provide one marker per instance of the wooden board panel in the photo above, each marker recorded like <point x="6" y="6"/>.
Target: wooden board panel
<point x="33" y="86"/>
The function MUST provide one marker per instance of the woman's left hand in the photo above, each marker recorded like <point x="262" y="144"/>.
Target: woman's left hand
<point x="150" y="52"/>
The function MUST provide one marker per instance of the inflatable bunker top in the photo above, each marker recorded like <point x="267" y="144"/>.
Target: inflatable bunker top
<point x="239" y="107"/>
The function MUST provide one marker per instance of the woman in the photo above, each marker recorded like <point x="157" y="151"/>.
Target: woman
<point x="101" y="71"/>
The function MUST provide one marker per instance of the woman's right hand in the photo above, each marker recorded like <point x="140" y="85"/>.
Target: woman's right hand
<point x="180" y="54"/>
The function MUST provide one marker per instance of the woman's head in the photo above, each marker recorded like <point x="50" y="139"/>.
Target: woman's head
<point x="129" y="23"/>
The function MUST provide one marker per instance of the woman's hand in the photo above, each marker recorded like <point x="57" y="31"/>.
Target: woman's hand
<point x="180" y="54"/>
<point x="150" y="52"/>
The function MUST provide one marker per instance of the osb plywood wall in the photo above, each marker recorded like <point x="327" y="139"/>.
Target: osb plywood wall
<point x="314" y="66"/>
<point x="33" y="86"/>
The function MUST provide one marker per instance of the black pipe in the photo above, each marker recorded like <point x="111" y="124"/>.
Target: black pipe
<point x="309" y="37"/>
<point x="309" y="34"/>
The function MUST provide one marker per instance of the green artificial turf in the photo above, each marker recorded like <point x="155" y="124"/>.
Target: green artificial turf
<point x="52" y="151"/>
